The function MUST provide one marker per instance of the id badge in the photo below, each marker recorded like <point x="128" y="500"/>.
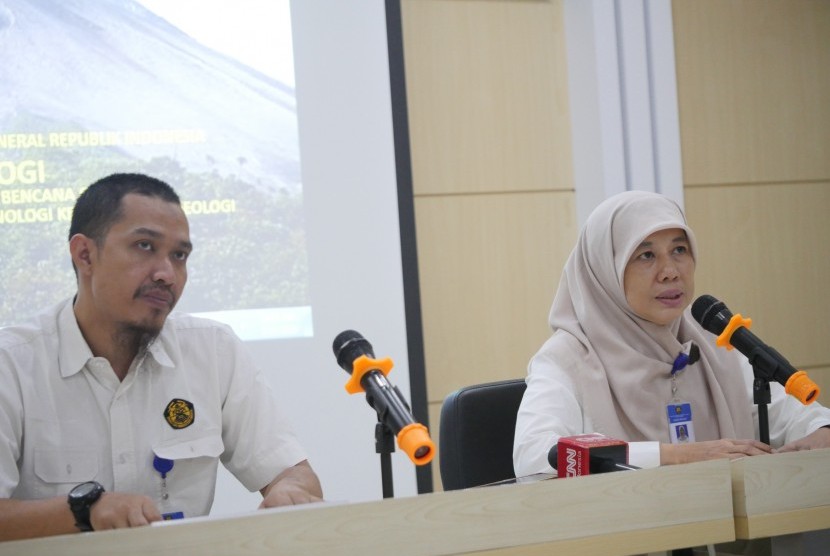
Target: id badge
<point x="681" y="429"/>
<point x="164" y="466"/>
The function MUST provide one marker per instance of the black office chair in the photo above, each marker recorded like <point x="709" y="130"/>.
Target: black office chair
<point x="476" y="433"/>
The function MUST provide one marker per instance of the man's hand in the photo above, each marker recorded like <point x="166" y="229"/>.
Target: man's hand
<point x="711" y="449"/>
<point x="26" y="519"/>
<point x="115" y="510"/>
<point x="813" y="441"/>
<point x="295" y="485"/>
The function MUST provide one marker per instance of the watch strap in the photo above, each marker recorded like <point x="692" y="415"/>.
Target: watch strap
<point x="81" y="505"/>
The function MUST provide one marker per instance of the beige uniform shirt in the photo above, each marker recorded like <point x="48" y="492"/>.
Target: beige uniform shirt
<point x="194" y="397"/>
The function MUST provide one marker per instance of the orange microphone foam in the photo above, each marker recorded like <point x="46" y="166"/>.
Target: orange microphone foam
<point x="415" y="442"/>
<point x="802" y="388"/>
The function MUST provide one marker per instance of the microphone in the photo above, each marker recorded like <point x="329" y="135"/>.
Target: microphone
<point x="589" y="454"/>
<point x="354" y="354"/>
<point x="733" y="331"/>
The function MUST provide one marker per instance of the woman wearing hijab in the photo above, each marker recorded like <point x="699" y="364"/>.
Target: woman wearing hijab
<point x="618" y="361"/>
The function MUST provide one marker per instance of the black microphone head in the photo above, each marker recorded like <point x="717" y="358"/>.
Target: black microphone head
<point x="553" y="456"/>
<point x="348" y="346"/>
<point x="711" y="313"/>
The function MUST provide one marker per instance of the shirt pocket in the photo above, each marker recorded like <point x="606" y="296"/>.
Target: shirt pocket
<point x="191" y="481"/>
<point x="57" y="470"/>
<point x="210" y="446"/>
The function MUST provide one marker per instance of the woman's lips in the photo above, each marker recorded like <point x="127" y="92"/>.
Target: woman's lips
<point x="671" y="298"/>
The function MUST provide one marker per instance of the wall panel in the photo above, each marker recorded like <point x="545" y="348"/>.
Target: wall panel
<point x="489" y="265"/>
<point x="764" y="252"/>
<point x="487" y="95"/>
<point x="754" y="89"/>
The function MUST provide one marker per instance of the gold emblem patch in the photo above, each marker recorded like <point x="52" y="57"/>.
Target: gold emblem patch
<point x="179" y="413"/>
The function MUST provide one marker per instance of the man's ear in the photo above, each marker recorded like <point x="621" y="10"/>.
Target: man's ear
<point x="81" y="248"/>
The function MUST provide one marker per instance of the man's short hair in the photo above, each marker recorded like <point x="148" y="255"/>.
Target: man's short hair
<point x="99" y="206"/>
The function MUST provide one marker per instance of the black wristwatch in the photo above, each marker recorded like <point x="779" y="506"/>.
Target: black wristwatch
<point x="81" y="498"/>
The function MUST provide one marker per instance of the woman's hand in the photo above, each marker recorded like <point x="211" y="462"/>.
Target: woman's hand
<point x="671" y="454"/>
<point x="814" y="441"/>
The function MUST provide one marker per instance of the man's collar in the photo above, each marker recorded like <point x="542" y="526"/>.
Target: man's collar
<point x="74" y="352"/>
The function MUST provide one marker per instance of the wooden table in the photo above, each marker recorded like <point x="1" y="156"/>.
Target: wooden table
<point x="615" y="513"/>
<point x="781" y="494"/>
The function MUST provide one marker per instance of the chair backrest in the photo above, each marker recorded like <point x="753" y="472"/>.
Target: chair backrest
<point x="476" y="433"/>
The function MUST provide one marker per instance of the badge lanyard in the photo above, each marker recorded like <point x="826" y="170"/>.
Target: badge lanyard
<point x="679" y="413"/>
<point x="164" y="466"/>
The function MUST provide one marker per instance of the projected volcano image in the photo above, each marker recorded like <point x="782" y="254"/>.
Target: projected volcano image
<point x="93" y="88"/>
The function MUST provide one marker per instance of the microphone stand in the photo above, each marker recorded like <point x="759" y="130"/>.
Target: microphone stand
<point x="761" y="396"/>
<point x="385" y="445"/>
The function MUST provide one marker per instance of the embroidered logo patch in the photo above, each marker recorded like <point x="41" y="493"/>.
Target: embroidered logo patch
<point x="179" y="413"/>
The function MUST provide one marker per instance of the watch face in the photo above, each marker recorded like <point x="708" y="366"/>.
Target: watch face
<point x="83" y="489"/>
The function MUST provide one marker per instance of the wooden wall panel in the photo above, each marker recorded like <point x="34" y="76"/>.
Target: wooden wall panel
<point x="489" y="267"/>
<point x="764" y="252"/>
<point x="754" y="89"/>
<point x="487" y="95"/>
<point x="821" y="376"/>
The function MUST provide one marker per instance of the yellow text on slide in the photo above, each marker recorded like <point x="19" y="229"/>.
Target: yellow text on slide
<point x="25" y="172"/>
<point x="22" y="141"/>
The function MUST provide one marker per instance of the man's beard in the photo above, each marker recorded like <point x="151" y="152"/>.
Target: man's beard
<point x="136" y="337"/>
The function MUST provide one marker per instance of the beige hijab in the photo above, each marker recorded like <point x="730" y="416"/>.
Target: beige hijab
<point x="626" y="386"/>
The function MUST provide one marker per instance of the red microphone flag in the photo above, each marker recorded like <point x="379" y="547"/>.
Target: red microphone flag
<point x="575" y="453"/>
